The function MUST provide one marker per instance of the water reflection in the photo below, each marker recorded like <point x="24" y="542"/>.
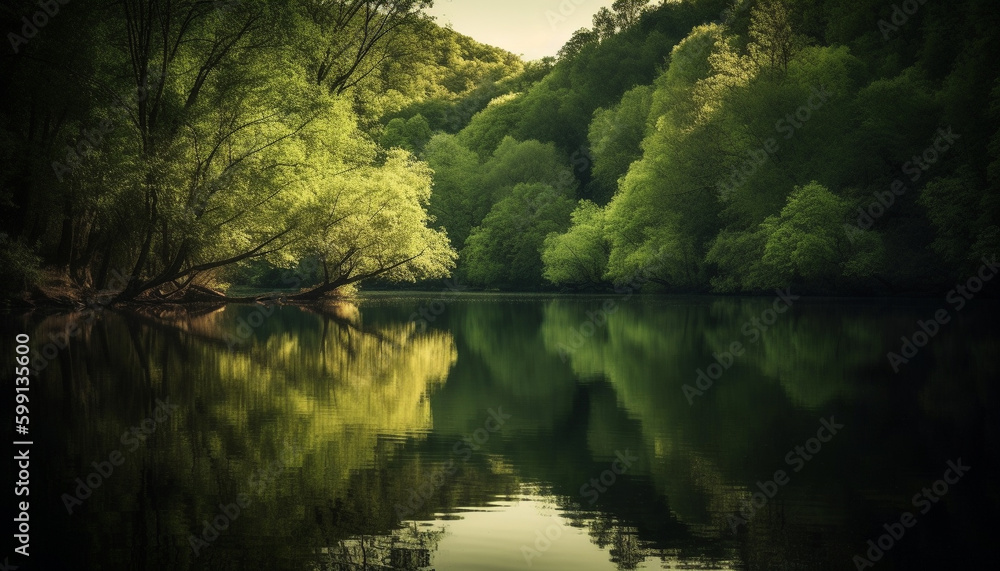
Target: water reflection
<point x="360" y="441"/>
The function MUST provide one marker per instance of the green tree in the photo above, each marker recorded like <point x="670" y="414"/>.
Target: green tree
<point x="963" y="216"/>
<point x="807" y="240"/>
<point x="516" y="162"/>
<point x="615" y="137"/>
<point x="207" y="123"/>
<point x="372" y="222"/>
<point x="773" y="42"/>
<point x="605" y="24"/>
<point x="504" y="250"/>
<point x="579" y="40"/>
<point x="410" y="134"/>
<point x="805" y="246"/>
<point x="489" y="127"/>
<point x="454" y="202"/>
<point x="627" y="12"/>
<point x="466" y="189"/>
<point x="19" y="265"/>
<point x="343" y="43"/>
<point x="665" y="211"/>
<point x="622" y="15"/>
<point x="578" y="257"/>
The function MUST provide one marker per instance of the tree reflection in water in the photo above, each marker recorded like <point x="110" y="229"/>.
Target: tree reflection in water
<point x="372" y="408"/>
<point x="406" y="549"/>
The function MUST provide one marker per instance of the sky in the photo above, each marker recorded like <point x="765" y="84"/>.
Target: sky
<point x="531" y="28"/>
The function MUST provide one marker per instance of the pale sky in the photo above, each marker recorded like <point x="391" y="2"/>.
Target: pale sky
<point x="531" y="28"/>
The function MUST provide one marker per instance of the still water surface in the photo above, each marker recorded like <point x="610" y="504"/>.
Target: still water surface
<point x="516" y="432"/>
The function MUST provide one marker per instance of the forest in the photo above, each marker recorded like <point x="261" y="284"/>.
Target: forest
<point x="176" y="150"/>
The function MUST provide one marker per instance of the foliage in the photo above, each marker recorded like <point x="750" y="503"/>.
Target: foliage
<point x="410" y="134"/>
<point x="453" y="203"/>
<point x="447" y="78"/>
<point x="372" y="221"/>
<point x="214" y="134"/>
<point x="467" y="188"/>
<point x="615" y="137"/>
<point x="806" y="241"/>
<point x="794" y="143"/>
<point x="504" y="249"/>
<point x="19" y="264"/>
<point x="579" y="256"/>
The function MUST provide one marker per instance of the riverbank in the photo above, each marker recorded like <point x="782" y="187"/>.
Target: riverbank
<point x="58" y="292"/>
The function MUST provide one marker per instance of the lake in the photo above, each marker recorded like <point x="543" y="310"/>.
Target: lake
<point x="493" y="432"/>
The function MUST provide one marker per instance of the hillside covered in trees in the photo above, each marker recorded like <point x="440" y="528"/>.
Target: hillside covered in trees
<point x="837" y="146"/>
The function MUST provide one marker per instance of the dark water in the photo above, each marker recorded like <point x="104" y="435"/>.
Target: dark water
<point x="514" y="433"/>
